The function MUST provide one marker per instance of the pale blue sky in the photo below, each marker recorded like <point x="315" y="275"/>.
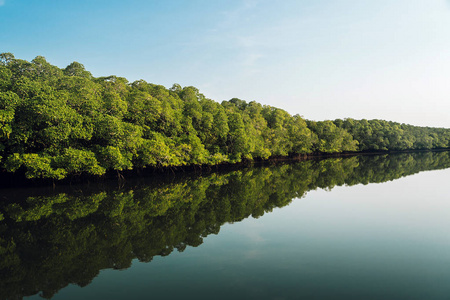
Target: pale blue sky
<point x="322" y="59"/>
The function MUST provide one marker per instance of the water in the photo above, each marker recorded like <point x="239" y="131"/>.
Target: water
<point x="368" y="227"/>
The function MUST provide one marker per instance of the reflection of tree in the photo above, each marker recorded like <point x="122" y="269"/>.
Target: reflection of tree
<point x="48" y="242"/>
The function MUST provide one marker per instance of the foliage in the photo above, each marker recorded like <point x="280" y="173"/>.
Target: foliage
<point x="64" y="122"/>
<point x="385" y="135"/>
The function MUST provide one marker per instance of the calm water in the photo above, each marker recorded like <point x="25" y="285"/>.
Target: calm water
<point x="369" y="227"/>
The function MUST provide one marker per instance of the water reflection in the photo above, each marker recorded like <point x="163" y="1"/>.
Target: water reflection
<point x="48" y="241"/>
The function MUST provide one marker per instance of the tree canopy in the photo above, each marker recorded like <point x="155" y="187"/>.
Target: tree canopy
<point x="57" y="122"/>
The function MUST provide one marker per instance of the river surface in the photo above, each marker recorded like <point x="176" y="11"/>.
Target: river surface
<point x="364" y="227"/>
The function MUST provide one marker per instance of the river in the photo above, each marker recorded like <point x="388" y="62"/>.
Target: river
<point x="362" y="227"/>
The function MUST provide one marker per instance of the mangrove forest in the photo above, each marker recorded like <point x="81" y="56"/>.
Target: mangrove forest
<point x="56" y="123"/>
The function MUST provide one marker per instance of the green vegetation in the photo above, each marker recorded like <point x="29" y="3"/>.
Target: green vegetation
<point x="51" y="239"/>
<point x="57" y="122"/>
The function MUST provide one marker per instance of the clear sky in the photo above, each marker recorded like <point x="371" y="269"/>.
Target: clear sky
<point x="322" y="59"/>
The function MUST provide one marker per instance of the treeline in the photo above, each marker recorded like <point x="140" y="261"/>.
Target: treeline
<point x="58" y="122"/>
<point x="50" y="240"/>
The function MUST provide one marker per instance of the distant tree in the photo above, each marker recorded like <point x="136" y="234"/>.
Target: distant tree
<point x="77" y="69"/>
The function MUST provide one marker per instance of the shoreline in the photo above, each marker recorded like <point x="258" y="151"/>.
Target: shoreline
<point x="15" y="180"/>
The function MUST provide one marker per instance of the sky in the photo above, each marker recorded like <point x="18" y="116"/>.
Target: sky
<point x="321" y="59"/>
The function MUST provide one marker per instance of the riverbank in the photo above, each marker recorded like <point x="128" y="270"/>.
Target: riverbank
<point x="18" y="179"/>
